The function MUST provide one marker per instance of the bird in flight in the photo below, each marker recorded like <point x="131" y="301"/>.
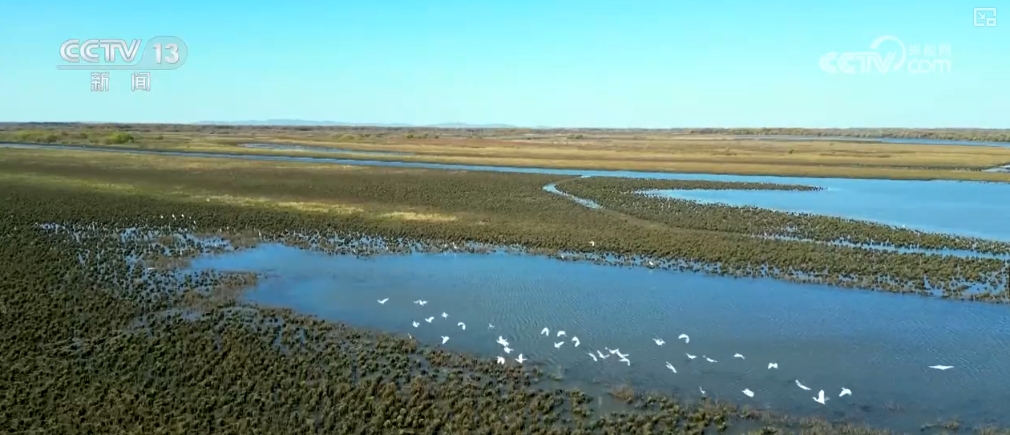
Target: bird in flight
<point x="416" y="324"/>
<point x="462" y="325"/>
<point x="445" y="316"/>
<point x="748" y="392"/>
<point x="659" y="341"/>
<point x="685" y="338"/>
<point x="429" y="319"/>
<point x="738" y="356"/>
<point x="545" y="331"/>
<point x="941" y="367"/>
<point x="820" y="398"/>
<point x="576" y="341"/>
<point x="520" y="359"/>
<point x="561" y="333"/>
<point x="625" y="360"/>
<point x="709" y="359"/>
<point x="845" y="392"/>
<point x="798" y="384"/>
<point x="773" y="366"/>
<point x="444" y="339"/>
<point x="689" y="356"/>
<point x="507" y="349"/>
<point x="558" y="344"/>
<point x="670" y="366"/>
<point x="382" y="301"/>
<point x="591" y="355"/>
<point x="601" y="355"/>
<point x="502" y="341"/>
<point x="501" y="360"/>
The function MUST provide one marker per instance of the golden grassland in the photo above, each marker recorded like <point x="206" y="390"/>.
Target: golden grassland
<point x="601" y="151"/>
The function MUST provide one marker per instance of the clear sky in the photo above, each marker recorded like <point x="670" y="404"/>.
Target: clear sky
<point x="635" y="63"/>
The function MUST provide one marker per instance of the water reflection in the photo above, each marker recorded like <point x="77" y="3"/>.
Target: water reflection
<point x="878" y="345"/>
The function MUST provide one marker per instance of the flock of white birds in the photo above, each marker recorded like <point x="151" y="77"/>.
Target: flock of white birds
<point x="598" y="355"/>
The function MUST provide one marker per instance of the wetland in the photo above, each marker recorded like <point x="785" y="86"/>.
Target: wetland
<point x="238" y="294"/>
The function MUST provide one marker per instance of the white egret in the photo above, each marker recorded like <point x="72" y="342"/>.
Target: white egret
<point x="845" y="392"/>
<point x="558" y="344"/>
<point x="444" y="339"/>
<point x="702" y="391"/>
<point x="625" y="360"/>
<point x="490" y="326"/>
<point x="941" y="367"/>
<point x="501" y="360"/>
<point x="382" y="301"/>
<point x="798" y="384"/>
<point x="445" y="316"/>
<point x="773" y="366"/>
<point x="622" y="355"/>
<point x="416" y="324"/>
<point x="561" y="333"/>
<point x="520" y="359"/>
<point x="685" y="338"/>
<point x="689" y="356"/>
<point x="422" y="303"/>
<point x="429" y="319"/>
<point x="462" y="325"/>
<point x="601" y="355"/>
<point x="576" y="341"/>
<point x="820" y="398"/>
<point x="670" y="366"/>
<point x="592" y="356"/>
<point x="612" y="351"/>
<point x="659" y="341"/>
<point x="738" y="356"/>
<point x="748" y="392"/>
<point x="545" y="331"/>
<point x="709" y="359"/>
<point x="507" y="349"/>
<point x="501" y="341"/>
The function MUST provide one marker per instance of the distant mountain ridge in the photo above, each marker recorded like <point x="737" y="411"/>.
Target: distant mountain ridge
<point x="308" y="123"/>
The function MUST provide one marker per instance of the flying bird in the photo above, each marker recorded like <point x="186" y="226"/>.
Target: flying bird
<point x="429" y="319"/>
<point x="748" y="392"/>
<point x="689" y="356"/>
<point x="940" y="367"/>
<point x="798" y="384"/>
<point x="490" y="326"/>
<point x="738" y="356"/>
<point x="612" y="351"/>
<point x="382" y="301"/>
<point x="845" y="392"/>
<point x="709" y="359"/>
<point x="416" y="324"/>
<point x="501" y="360"/>
<point x="659" y="341"/>
<point x="773" y="366"/>
<point x="685" y="338"/>
<point x="501" y="341"/>
<point x="601" y="355"/>
<point x="702" y="391"/>
<point x="422" y="303"/>
<point x="592" y="356"/>
<point x="820" y="398"/>
<point x="561" y="333"/>
<point x="576" y="341"/>
<point x="445" y="316"/>
<point x="625" y="360"/>
<point x="670" y="366"/>
<point x="545" y="331"/>
<point x="520" y="359"/>
<point x="507" y="349"/>
<point x="622" y="355"/>
<point x="444" y="339"/>
<point x="558" y="344"/>
<point x="462" y="325"/>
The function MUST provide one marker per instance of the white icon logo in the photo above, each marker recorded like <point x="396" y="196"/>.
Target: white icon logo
<point x="985" y="17"/>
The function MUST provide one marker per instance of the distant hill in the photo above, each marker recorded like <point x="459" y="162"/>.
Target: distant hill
<point x="304" y="122"/>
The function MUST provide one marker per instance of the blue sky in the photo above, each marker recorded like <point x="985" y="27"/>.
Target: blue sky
<point x="639" y="63"/>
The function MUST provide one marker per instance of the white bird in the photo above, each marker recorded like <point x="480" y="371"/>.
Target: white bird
<point x="429" y="319"/>
<point x="773" y="366"/>
<point x="659" y="341"/>
<point x="422" y="303"/>
<point x="416" y="324"/>
<point x="561" y="333"/>
<point x="709" y="359"/>
<point x="601" y="355"/>
<point x="490" y="326"/>
<point x="520" y="359"/>
<point x="625" y="360"/>
<point x="445" y="316"/>
<point x="940" y="367"/>
<point x="748" y="392"/>
<point x="622" y="355"/>
<point x="382" y="301"/>
<point x="592" y="243"/>
<point x="592" y="356"/>
<point x="462" y="325"/>
<point x="576" y="341"/>
<point x="820" y="398"/>
<point x="702" y="391"/>
<point x="845" y="392"/>
<point x="798" y="384"/>
<point x="685" y="338"/>
<point x="738" y="356"/>
<point x="689" y="356"/>
<point x="612" y="351"/>
<point x="417" y="302"/>
<point x="545" y="331"/>
<point x="670" y="366"/>
<point x="444" y="339"/>
<point x="501" y="341"/>
<point x="501" y="360"/>
<point x="507" y="349"/>
<point x="558" y="344"/>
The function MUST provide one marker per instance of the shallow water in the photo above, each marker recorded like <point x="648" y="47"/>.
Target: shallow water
<point x="954" y="207"/>
<point x="879" y="345"/>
